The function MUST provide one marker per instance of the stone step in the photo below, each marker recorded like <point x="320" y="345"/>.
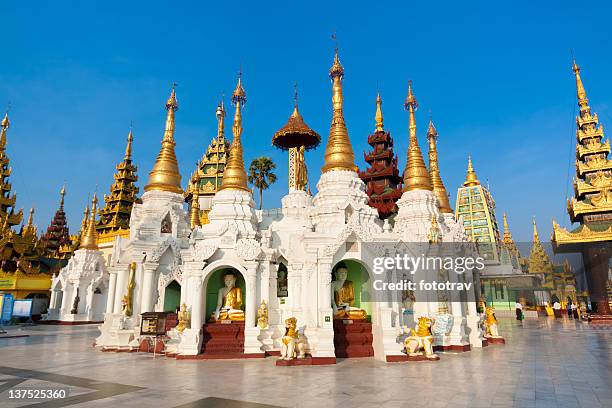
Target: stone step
<point x="220" y="339"/>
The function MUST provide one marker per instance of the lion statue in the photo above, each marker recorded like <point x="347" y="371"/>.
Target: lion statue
<point x="293" y="345"/>
<point x="420" y="339"/>
<point x="490" y="323"/>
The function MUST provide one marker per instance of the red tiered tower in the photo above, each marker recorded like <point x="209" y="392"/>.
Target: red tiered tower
<point x="382" y="178"/>
<point x="57" y="234"/>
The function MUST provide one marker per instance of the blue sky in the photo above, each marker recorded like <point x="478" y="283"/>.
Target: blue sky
<point x="496" y="77"/>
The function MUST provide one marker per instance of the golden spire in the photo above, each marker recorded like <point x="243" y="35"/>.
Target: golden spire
<point x="536" y="238"/>
<point x="507" y="232"/>
<point x="234" y="175"/>
<point x="6" y="123"/>
<point x="165" y="175"/>
<point x="62" y="194"/>
<point x="508" y="241"/>
<point x="89" y="238"/>
<point x="128" y="147"/>
<point x="221" y="121"/>
<point x="471" y="179"/>
<point x="379" y="116"/>
<point x="434" y="170"/>
<point x="194" y="214"/>
<point x="31" y="218"/>
<point x="338" y="152"/>
<point x="85" y="218"/>
<point x="416" y="176"/>
<point x="580" y="92"/>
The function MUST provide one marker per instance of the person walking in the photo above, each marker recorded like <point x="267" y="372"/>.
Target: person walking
<point x="519" y="311"/>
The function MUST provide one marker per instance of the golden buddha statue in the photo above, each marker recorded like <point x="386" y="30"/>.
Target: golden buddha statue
<point x="301" y="173"/>
<point x="184" y="318"/>
<point x="343" y="297"/>
<point x="262" y="315"/>
<point x="229" y="302"/>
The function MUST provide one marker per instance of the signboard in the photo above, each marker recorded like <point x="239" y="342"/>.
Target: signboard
<point x="22" y="308"/>
<point x="153" y="323"/>
<point x="6" y="307"/>
<point x="7" y="283"/>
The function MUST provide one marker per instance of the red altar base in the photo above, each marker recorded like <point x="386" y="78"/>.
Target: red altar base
<point x="147" y="346"/>
<point x="485" y="343"/>
<point x="307" y="361"/>
<point x="597" y="319"/>
<point x="61" y="323"/>
<point x="496" y="340"/>
<point x="353" y="338"/>
<point x="223" y="340"/>
<point x="453" y="348"/>
<point x="406" y="357"/>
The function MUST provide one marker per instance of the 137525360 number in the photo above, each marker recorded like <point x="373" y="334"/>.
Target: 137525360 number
<point x="37" y="393"/>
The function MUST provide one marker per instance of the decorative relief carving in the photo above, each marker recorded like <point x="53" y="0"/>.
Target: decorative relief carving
<point x="248" y="249"/>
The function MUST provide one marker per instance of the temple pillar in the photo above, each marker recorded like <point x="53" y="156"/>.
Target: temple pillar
<point x="197" y="312"/>
<point x="250" y="313"/>
<point x="325" y="308"/>
<point x="112" y="285"/>
<point x="148" y="288"/>
<point x="121" y="286"/>
<point x="596" y="259"/>
<point x="53" y="299"/>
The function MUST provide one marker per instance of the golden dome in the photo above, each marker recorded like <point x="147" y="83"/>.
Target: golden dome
<point x="165" y="175"/>
<point x="416" y="176"/>
<point x="338" y="152"/>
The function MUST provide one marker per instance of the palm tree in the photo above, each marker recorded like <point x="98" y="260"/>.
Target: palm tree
<point x="261" y="175"/>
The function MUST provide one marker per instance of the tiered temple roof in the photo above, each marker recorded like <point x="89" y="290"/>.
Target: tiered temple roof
<point x="208" y="175"/>
<point x="57" y="235"/>
<point x="115" y="216"/>
<point x="19" y="252"/>
<point x="382" y="179"/>
<point x="591" y="205"/>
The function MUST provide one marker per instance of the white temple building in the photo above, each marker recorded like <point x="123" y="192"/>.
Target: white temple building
<point x="79" y="292"/>
<point x="287" y="258"/>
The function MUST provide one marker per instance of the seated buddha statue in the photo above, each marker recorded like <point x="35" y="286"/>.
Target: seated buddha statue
<point x="343" y="297"/>
<point x="229" y="301"/>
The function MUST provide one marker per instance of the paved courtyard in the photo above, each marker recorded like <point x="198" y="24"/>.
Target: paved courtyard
<point x="545" y="363"/>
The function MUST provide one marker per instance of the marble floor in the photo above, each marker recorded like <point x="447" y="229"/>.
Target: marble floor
<point x="545" y="363"/>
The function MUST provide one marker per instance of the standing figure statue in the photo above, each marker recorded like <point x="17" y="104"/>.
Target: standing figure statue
<point x="75" y="304"/>
<point x="301" y="173"/>
<point x="229" y="300"/>
<point x="127" y="300"/>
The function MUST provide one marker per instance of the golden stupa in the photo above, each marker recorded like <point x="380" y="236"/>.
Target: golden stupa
<point x="165" y="175"/>
<point x="338" y="152"/>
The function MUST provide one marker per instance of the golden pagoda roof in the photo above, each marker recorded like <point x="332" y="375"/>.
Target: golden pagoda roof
<point x="583" y="234"/>
<point x="89" y="237"/>
<point x="296" y="133"/>
<point x="539" y="261"/>
<point x="592" y="146"/>
<point x="470" y="178"/>
<point x="234" y="175"/>
<point x="338" y="151"/>
<point x="165" y="175"/>
<point x="434" y="170"/>
<point x="416" y="175"/>
<point x="380" y="126"/>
